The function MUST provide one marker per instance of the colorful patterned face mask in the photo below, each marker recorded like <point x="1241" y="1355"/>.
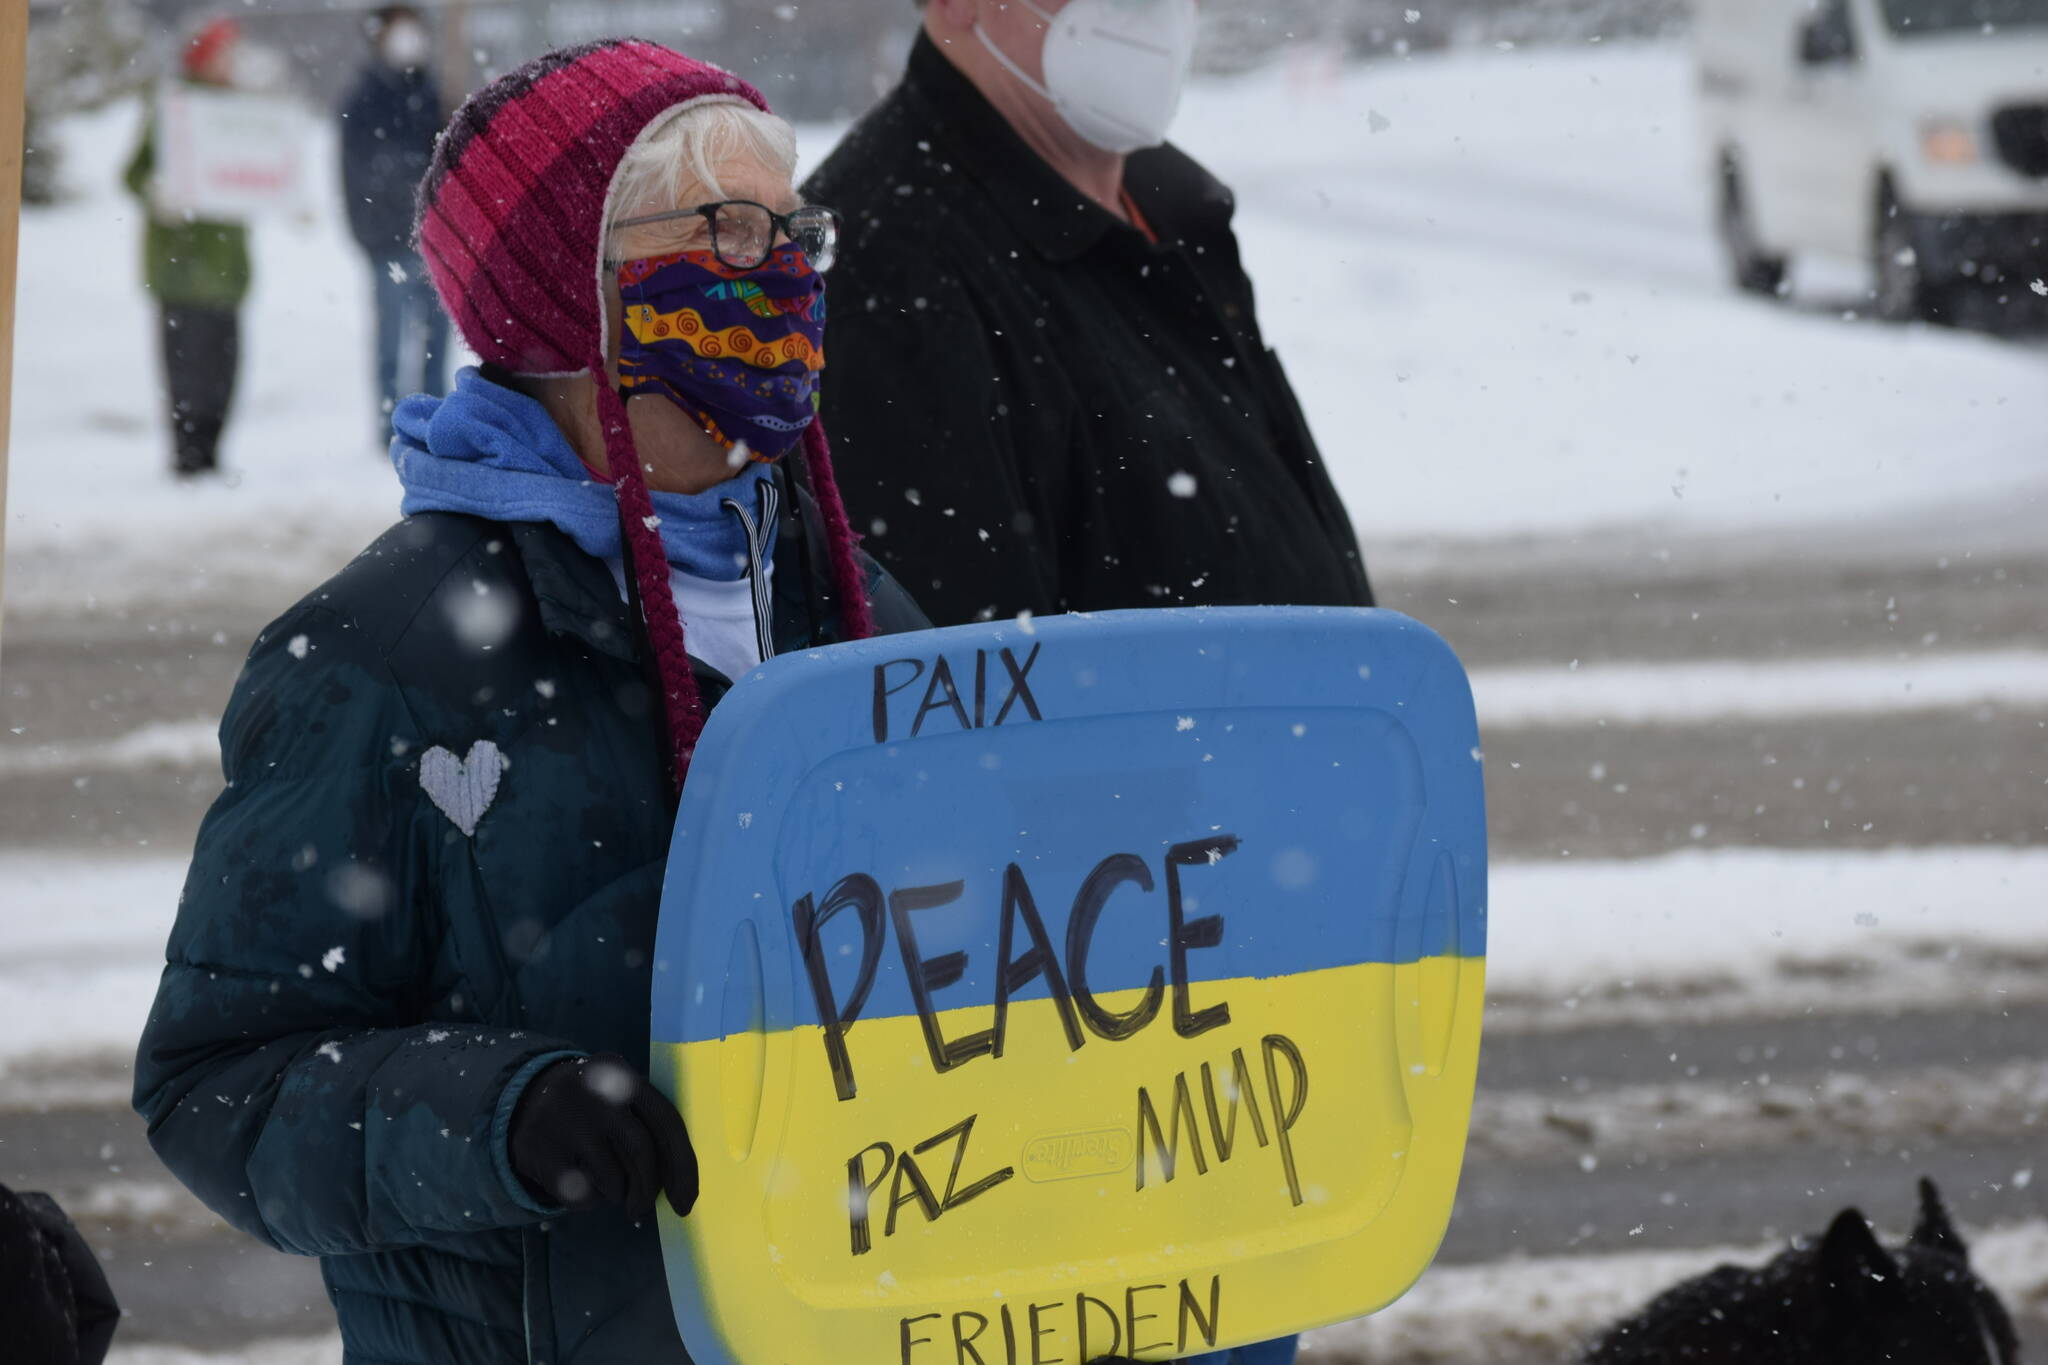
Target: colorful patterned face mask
<point x="739" y="350"/>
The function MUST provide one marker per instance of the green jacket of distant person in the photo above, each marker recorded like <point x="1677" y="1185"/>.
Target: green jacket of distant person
<point x="188" y="263"/>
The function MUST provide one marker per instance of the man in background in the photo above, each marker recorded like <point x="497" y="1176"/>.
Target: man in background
<point x="388" y="126"/>
<point x="1048" y="390"/>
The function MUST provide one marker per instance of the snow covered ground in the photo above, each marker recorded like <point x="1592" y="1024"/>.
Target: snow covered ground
<point x="1491" y="280"/>
<point x="1693" y="691"/>
<point x="285" y="1351"/>
<point x="1489" y="275"/>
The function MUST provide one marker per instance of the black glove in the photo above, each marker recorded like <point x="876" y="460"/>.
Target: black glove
<point x="590" y="1131"/>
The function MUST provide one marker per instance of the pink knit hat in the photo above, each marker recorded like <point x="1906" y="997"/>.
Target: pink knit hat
<point x="511" y="224"/>
<point x="214" y="37"/>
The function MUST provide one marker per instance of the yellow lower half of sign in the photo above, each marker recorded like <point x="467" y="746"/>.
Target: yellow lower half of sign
<point x="1155" y="1195"/>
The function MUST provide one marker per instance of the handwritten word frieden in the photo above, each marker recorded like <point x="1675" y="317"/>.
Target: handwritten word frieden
<point x="1092" y="1324"/>
<point x="860" y="1190"/>
<point x="1164" y="1144"/>
<point x="942" y="691"/>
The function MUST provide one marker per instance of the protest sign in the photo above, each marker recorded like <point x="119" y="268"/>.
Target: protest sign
<point x="1097" y="985"/>
<point x="227" y="155"/>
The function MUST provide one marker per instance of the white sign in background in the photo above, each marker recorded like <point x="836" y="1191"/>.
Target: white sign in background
<point x="229" y="155"/>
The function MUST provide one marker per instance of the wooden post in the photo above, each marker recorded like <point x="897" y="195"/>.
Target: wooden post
<point x="13" y="110"/>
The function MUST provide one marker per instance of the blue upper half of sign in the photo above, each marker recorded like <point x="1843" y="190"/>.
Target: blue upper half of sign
<point x="1084" y="805"/>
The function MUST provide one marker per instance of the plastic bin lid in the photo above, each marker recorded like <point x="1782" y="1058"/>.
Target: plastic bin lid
<point x="1096" y="985"/>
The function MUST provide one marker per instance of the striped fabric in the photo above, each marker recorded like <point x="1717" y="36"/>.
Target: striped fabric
<point x="770" y="498"/>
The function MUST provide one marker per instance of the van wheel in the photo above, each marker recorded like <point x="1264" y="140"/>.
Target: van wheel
<point x="1900" y="290"/>
<point x="1753" y="269"/>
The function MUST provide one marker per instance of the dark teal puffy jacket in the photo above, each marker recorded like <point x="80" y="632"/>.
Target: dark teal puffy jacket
<point x="358" y="989"/>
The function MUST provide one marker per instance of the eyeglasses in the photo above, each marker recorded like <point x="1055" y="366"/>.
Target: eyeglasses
<point x="743" y="233"/>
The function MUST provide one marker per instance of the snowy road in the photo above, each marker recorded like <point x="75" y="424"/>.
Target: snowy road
<point x="1547" y="1180"/>
<point x="115" y="709"/>
<point x="1752" y="595"/>
<point x="1643" y="1097"/>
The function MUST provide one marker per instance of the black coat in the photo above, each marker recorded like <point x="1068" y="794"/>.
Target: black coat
<point x="1020" y="386"/>
<point x="360" y="982"/>
<point x="55" y="1305"/>
<point x="388" y="126"/>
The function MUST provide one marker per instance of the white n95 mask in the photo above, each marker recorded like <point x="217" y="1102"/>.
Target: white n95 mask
<point x="405" y="44"/>
<point x="1113" y="68"/>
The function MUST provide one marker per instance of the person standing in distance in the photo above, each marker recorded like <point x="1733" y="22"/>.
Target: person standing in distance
<point x="388" y="126"/>
<point x="198" y="270"/>
<point x="1049" y="389"/>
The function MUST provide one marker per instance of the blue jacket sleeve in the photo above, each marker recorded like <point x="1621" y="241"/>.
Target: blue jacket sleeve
<point x="289" y="1072"/>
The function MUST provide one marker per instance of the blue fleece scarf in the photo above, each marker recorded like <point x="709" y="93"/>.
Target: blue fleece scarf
<point x="490" y="451"/>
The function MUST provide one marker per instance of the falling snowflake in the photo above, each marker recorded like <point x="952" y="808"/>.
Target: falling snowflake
<point x="610" y="1081"/>
<point x="334" y="957"/>
<point x="396" y="270"/>
<point x="1293" y="868"/>
<point x="298" y="647"/>
<point x="1181" y="484"/>
<point x="483" y="620"/>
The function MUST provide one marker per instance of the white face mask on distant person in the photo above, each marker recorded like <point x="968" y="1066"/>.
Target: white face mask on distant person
<point x="1113" y="68"/>
<point x="405" y="45"/>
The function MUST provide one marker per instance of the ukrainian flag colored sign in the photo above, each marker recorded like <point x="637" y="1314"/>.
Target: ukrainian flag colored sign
<point x="1102" y="985"/>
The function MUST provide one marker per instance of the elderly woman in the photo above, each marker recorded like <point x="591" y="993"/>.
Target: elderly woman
<point x="405" y="1017"/>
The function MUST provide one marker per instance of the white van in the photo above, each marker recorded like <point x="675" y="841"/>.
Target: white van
<point x="1909" y="133"/>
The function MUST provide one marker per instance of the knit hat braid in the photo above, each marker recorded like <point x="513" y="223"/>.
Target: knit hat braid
<point x="511" y="224"/>
<point x="681" y="705"/>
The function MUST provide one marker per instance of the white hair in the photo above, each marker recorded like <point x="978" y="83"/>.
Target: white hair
<point x="691" y="143"/>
